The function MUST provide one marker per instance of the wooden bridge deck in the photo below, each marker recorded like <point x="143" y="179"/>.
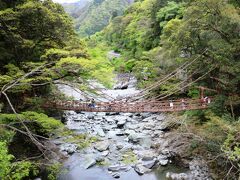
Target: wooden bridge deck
<point x="139" y="106"/>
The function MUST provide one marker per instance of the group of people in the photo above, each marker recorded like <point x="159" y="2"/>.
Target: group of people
<point x="183" y="104"/>
<point x="204" y="101"/>
<point x="92" y="103"/>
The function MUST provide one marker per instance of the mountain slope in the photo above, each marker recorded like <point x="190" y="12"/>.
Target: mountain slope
<point x="91" y="17"/>
<point x="76" y="9"/>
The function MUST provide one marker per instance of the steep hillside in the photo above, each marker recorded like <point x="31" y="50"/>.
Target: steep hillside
<point x="92" y="16"/>
<point x="77" y="9"/>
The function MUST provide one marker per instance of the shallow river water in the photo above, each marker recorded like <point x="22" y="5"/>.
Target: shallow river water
<point x="76" y="172"/>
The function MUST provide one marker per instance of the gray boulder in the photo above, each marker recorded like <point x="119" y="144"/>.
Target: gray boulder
<point x="147" y="155"/>
<point x="69" y="148"/>
<point x="89" y="161"/>
<point x="116" y="175"/>
<point x="99" y="131"/>
<point x="102" y="146"/>
<point x="121" y="123"/>
<point x="140" y="169"/>
<point x="116" y="168"/>
<point x="149" y="164"/>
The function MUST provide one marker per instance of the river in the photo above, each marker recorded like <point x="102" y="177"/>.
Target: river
<point x="127" y="145"/>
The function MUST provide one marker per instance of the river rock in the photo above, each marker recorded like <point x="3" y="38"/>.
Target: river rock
<point x="127" y="147"/>
<point x="102" y="114"/>
<point x="89" y="161"/>
<point x="120" y="133"/>
<point x="116" y="175"/>
<point x="99" y="131"/>
<point x="121" y="86"/>
<point x="135" y="137"/>
<point x="146" y="142"/>
<point x="79" y="117"/>
<point x="69" y="148"/>
<point x="121" y="123"/>
<point x="105" y="153"/>
<point x="163" y="162"/>
<point x="199" y="169"/>
<point x="146" y="115"/>
<point x="163" y="159"/>
<point x="119" y="146"/>
<point x="116" y="168"/>
<point x="58" y="142"/>
<point x="131" y="126"/>
<point x="70" y="113"/>
<point x="149" y="125"/>
<point x="149" y="164"/>
<point x="180" y="176"/>
<point x="102" y="146"/>
<point x="127" y="114"/>
<point x="128" y="132"/>
<point x="120" y="118"/>
<point x="112" y="113"/>
<point x="160" y="117"/>
<point x="90" y="116"/>
<point x="140" y="169"/>
<point x="100" y="158"/>
<point x="150" y="118"/>
<point x="110" y="120"/>
<point x="111" y="134"/>
<point x="147" y="155"/>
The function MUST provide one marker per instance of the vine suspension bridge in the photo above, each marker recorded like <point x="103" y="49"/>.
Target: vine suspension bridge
<point x="138" y="102"/>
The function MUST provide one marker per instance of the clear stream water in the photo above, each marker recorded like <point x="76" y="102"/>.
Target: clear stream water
<point x="74" y="171"/>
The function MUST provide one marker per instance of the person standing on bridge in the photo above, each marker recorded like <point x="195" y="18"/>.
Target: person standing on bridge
<point x="93" y="103"/>
<point x="171" y="104"/>
<point x="183" y="104"/>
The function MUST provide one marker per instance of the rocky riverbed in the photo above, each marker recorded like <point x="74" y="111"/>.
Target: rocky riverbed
<point x="126" y="145"/>
<point x="125" y="141"/>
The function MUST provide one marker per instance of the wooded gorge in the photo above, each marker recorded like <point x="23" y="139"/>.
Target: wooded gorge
<point x="42" y="46"/>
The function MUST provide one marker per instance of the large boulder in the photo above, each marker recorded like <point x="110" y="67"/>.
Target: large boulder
<point x="99" y="131"/>
<point x="116" y="168"/>
<point x="140" y="169"/>
<point x="89" y="161"/>
<point x="149" y="164"/>
<point x="102" y="146"/>
<point x="121" y="123"/>
<point x="69" y="148"/>
<point x="135" y="137"/>
<point x="147" y="155"/>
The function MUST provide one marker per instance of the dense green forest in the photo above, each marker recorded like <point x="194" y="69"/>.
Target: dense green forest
<point x="39" y="46"/>
<point x="95" y="15"/>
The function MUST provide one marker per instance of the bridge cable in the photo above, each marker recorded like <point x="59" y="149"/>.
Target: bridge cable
<point x="166" y="92"/>
<point x="169" y="76"/>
